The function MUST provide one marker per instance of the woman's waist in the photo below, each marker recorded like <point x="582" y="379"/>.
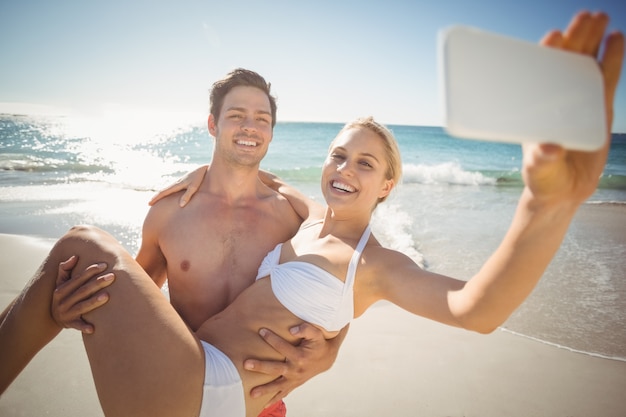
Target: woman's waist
<point x="235" y="331"/>
<point x="239" y="337"/>
<point x="237" y="326"/>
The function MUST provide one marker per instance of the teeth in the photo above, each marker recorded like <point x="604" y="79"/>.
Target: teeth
<point x="343" y="187"/>
<point x="246" y="143"/>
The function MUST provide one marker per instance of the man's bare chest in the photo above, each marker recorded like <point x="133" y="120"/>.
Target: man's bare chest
<point x="219" y="249"/>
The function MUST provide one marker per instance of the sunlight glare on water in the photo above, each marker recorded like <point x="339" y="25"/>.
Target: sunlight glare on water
<point x="123" y="125"/>
<point x="118" y="137"/>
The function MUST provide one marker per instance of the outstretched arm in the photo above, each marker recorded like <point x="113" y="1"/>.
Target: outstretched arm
<point x="557" y="182"/>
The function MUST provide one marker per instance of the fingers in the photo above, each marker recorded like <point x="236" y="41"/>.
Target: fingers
<point x="191" y="190"/>
<point x="190" y="183"/>
<point x="79" y="285"/>
<point x="79" y="295"/>
<point x="301" y="362"/>
<point x="595" y="34"/>
<point x="65" y="270"/>
<point x="82" y="326"/>
<point x="585" y="32"/>
<point x="279" y="344"/>
<point x="307" y="331"/>
<point x="277" y="369"/>
<point x="273" y="368"/>
<point x="171" y="189"/>
<point x="73" y="318"/>
<point x="279" y="386"/>
<point x="585" y="35"/>
<point x="553" y="39"/>
<point x="156" y="198"/>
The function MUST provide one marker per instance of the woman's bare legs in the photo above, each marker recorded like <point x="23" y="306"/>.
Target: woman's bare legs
<point x="144" y="359"/>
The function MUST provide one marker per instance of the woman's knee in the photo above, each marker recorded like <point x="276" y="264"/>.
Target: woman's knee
<point x="90" y="244"/>
<point x="86" y="232"/>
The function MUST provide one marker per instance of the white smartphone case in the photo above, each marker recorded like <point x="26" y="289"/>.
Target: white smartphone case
<point x="502" y="89"/>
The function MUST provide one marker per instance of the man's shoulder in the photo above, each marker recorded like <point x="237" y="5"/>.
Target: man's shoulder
<point x="282" y="207"/>
<point x="165" y="208"/>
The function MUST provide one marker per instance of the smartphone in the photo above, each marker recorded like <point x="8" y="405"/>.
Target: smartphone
<point x="498" y="88"/>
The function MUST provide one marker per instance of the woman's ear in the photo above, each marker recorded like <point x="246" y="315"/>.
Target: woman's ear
<point x="387" y="187"/>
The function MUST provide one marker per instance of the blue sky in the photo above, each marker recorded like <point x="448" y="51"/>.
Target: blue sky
<point x="326" y="60"/>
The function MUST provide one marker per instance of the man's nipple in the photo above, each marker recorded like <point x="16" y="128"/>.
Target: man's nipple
<point x="184" y="265"/>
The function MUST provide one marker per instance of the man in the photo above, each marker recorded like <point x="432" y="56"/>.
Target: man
<point x="210" y="251"/>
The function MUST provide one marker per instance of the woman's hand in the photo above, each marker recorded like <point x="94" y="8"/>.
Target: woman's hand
<point x="553" y="174"/>
<point x="190" y="183"/>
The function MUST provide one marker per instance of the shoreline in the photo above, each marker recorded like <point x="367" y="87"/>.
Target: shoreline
<point x="391" y="363"/>
<point x="563" y="347"/>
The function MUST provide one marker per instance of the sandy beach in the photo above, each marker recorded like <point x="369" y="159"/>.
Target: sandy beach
<point x="391" y="364"/>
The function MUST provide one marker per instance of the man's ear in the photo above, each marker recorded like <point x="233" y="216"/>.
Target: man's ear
<point x="212" y="126"/>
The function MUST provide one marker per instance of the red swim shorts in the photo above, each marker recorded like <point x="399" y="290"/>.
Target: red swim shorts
<point x="275" y="410"/>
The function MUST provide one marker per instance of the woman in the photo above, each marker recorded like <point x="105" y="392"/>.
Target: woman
<point x="145" y="361"/>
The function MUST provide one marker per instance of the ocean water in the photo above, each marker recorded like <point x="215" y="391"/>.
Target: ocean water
<point x="455" y="202"/>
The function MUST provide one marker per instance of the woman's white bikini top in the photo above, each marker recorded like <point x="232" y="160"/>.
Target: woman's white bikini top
<point x="312" y="293"/>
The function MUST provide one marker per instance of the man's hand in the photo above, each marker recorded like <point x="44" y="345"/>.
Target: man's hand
<point x="312" y="356"/>
<point x="75" y="296"/>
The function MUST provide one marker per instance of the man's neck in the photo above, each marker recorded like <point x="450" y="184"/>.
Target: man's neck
<point x="231" y="182"/>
